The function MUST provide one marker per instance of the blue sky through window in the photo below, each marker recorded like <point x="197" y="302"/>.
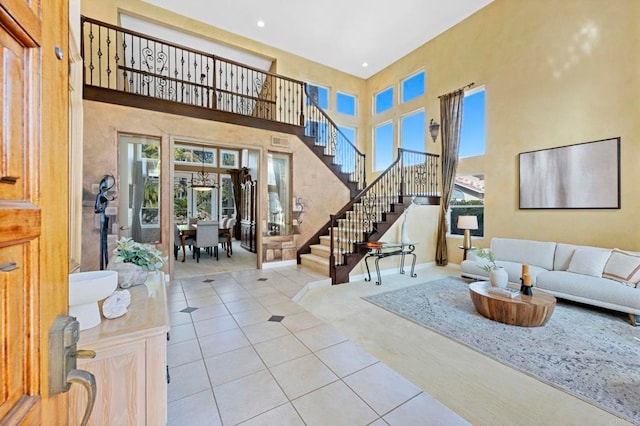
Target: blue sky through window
<point x="472" y="135"/>
<point x="413" y="87"/>
<point x="383" y="156"/>
<point x="384" y="100"/>
<point x="320" y="95"/>
<point x="346" y="104"/>
<point x="412" y="131"/>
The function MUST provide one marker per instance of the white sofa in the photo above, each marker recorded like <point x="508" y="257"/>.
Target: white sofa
<point x="592" y="275"/>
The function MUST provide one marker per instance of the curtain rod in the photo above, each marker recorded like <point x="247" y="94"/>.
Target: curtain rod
<point x="462" y="88"/>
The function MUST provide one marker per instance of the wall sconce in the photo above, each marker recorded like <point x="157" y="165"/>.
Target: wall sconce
<point x="433" y="130"/>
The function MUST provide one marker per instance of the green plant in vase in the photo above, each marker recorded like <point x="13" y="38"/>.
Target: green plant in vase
<point x="498" y="277"/>
<point x="134" y="260"/>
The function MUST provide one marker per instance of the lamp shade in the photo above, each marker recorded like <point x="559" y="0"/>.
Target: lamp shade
<point x="467" y="222"/>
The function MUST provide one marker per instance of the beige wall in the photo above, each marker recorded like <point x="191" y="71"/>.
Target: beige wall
<point x="556" y="72"/>
<point x="102" y="122"/>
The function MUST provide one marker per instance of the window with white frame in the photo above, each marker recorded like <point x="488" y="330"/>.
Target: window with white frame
<point x="346" y="104"/>
<point x="472" y="133"/>
<point x="412" y="87"/>
<point x="467" y="199"/>
<point x="319" y="94"/>
<point x="383" y="100"/>
<point x="412" y="128"/>
<point x="383" y="146"/>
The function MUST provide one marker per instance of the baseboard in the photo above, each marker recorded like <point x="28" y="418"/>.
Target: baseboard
<point x="281" y="264"/>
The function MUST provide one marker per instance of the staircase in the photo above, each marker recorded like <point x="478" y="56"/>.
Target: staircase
<point x="338" y="246"/>
<point x="128" y="68"/>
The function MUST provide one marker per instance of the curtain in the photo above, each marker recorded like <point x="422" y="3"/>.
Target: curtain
<point x="138" y="198"/>
<point x="451" y="119"/>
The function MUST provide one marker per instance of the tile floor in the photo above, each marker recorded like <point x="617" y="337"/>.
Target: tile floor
<point x="243" y="352"/>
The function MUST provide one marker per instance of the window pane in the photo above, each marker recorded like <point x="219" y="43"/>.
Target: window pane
<point x="413" y="87"/>
<point x="467" y="199"/>
<point x="384" y="100"/>
<point x="472" y="135"/>
<point x="412" y="131"/>
<point x="383" y="156"/>
<point x="346" y="104"/>
<point x="319" y="94"/>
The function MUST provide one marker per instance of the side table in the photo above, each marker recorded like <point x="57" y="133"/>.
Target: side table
<point x="464" y="256"/>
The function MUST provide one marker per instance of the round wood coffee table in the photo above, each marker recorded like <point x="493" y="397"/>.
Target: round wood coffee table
<point x="525" y="311"/>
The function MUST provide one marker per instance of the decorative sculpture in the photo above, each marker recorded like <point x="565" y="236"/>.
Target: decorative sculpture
<point x="117" y="304"/>
<point x="102" y="201"/>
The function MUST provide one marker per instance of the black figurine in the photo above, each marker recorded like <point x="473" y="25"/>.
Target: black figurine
<point x="107" y="182"/>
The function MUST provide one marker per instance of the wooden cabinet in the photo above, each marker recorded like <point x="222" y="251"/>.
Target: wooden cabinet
<point x="248" y="214"/>
<point x="130" y="364"/>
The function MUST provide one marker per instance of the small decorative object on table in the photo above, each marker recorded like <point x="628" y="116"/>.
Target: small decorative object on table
<point x="133" y="261"/>
<point x="116" y="305"/>
<point x="506" y="292"/>
<point x="498" y="277"/>
<point x="525" y="279"/>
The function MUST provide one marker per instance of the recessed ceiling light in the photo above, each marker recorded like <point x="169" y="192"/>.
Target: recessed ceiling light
<point x="260" y="23"/>
<point x="365" y="64"/>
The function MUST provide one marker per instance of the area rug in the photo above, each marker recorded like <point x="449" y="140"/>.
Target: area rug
<point x="590" y="353"/>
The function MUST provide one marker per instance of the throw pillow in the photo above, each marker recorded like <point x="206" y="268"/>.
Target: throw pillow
<point x="624" y="267"/>
<point x="589" y="261"/>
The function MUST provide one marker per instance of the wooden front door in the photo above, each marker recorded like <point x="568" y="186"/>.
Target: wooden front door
<point x="33" y="204"/>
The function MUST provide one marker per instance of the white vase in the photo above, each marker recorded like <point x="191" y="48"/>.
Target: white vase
<point x="129" y="274"/>
<point x="498" y="277"/>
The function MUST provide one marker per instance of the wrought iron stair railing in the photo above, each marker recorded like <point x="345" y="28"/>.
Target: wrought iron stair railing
<point x="366" y="217"/>
<point x="335" y="145"/>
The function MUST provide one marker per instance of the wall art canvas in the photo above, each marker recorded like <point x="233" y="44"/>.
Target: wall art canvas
<point x="581" y="176"/>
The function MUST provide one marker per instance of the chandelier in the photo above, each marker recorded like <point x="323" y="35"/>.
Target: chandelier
<point x="201" y="181"/>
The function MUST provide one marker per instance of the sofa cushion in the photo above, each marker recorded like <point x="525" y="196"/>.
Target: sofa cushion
<point x="564" y="253"/>
<point x="529" y="252"/>
<point x="623" y="267"/>
<point x="585" y="288"/>
<point x="514" y="270"/>
<point x="589" y="261"/>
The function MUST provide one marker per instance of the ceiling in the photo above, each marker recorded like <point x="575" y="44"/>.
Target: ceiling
<point x="342" y="34"/>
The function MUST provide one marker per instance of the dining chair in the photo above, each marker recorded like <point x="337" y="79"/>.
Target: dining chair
<point x="207" y="238"/>
<point x="177" y="240"/>
<point x="224" y="235"/>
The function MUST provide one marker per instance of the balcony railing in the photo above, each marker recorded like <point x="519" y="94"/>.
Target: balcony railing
<point x="120" y="60"/>
<point x="126" y="61"/>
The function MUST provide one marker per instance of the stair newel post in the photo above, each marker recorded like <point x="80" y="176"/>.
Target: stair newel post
<point x="303" y="90"/>
<point x="402" y="175"/>
<point x="332" y="258"/>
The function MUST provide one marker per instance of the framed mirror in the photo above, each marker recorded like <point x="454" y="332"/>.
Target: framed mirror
<point x="139" y="195"/>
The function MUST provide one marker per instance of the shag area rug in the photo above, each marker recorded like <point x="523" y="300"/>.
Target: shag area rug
<point x="590" y="353"/>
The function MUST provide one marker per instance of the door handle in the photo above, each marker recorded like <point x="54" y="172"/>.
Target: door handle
<point x="63" y="338"/>
<point x="87" y="380"/>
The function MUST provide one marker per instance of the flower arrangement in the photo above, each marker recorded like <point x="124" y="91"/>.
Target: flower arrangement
<point x="488" y="255"/>
<point x="146" y="256"/>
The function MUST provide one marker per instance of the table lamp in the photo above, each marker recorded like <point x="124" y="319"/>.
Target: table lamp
<point x="467" y="223"/>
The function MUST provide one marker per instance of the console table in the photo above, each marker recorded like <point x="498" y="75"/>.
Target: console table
<point x="381" y="250"/>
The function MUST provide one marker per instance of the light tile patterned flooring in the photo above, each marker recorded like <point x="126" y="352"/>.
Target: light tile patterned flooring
<point x="232" y="362"/>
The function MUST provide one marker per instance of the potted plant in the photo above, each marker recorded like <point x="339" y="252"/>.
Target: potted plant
<point x="498" y="277"/>
<point x="134" y="260"/>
